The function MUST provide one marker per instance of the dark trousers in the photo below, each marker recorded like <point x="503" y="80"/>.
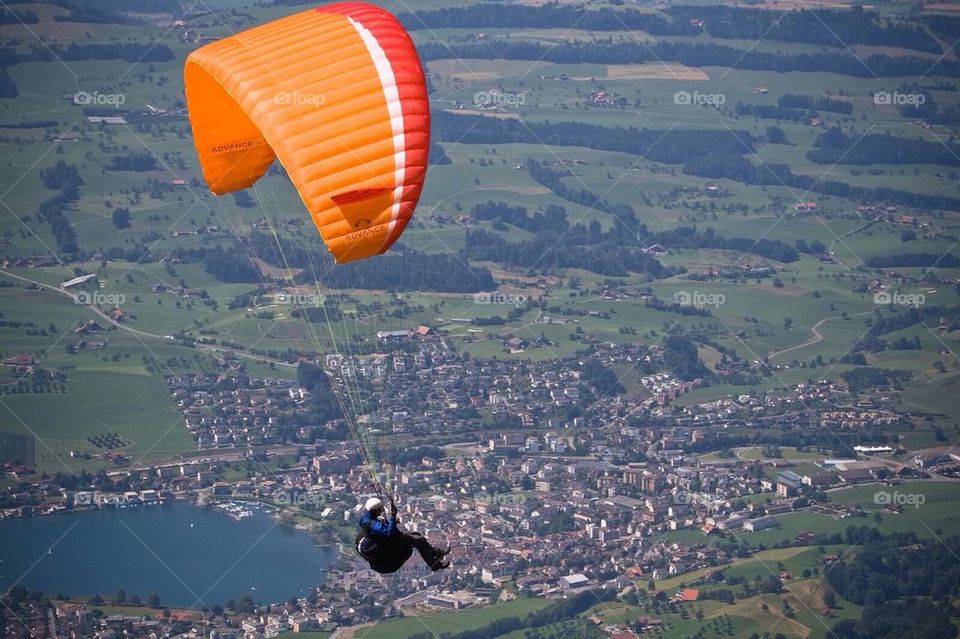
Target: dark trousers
<point x="423" y="547"/>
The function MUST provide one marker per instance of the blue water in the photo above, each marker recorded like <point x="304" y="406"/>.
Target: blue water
<point x="155" y="549"/>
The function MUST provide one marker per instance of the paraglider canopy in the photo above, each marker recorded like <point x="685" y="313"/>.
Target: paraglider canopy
<point x="337" y="95"/>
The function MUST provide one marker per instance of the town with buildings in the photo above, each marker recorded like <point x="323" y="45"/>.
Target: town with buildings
<point x="543" y="482"/>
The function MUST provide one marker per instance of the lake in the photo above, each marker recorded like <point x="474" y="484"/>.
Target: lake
<point x="189" y="555"/>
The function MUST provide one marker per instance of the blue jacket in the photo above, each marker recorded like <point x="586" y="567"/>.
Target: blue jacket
<point x="377" y="528"/>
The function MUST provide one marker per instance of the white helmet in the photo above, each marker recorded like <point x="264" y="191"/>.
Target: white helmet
<point x="373" y="504"/>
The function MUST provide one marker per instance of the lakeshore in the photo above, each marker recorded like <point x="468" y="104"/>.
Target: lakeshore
<point x="189" y="555"/>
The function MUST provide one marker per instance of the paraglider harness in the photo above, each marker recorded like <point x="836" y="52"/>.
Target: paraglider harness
<point x="383" y="556"/>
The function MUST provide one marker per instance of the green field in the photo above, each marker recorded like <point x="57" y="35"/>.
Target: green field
<point x="449" y="621"/>
<point x="803" y="593"/>
<point x="934" y="517"/>
<point x="788" y="453"/>
<point x="803" y="327"/>
<point x="745" y="616"/>
<point x="790" y="327"/>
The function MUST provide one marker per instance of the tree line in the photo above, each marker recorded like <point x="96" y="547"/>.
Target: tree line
<point x="815" y="103"/>
<point x="872" y="341"/>
<point x="398" y="269"/>
<point x="909" y="590"/>
<point x="821" y="27"/>
<point x="81" y="12"/>
<point x="682" y="237"/>
<point x="657" y="304"/>
<point x="561" y="245"/>
<point x="947" y="27"/>
<point x="552" y="218"/>
<point x="682" y="357"/>
<point x="127" y="51"/>
<point x="613" y="252"/>
<point x="737" y="168"/>
<point x="910" y="317"/>
<point x="690" y="237"/>
<point x="550" y="15"/>
<point x="604" y="380"/>
<point x="131" y="52"/>
<point x="407" y="270"/>
<point x="674" y="146"/>
<point x="836" y="147"/>
<point x="324" y="405"/>
<point x="560" y="611"/>
<point x="133" y="161"/>
<point x="229" y="266"/>
<point x="66" y="180"/>
<point x="861" y="379"/>
<point x="922" y="260"/>
<point x="553" y="179"/>
<point x="557" y="244"/>
<point x="611" y="255"/>
<point x="437" y="155"/>
<point x="17" y="16"/>
<point x="704" y="153"/>
<point x="8" y="88"/>
<point x="771" y="112"/>
<point x="695" y="54"/>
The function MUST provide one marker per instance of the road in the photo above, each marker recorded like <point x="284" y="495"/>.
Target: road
<point x="205" y="456"/>
<point x="816" y="337"/>
<point x="52" y="615"/>
<point x="780" y="460"/>
<point x="840" y="237"/>
<point x="209" y="348"/>
<point x="349" y="632"/>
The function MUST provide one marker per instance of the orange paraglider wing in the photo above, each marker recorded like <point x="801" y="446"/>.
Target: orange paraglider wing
<point x="337" y="95"/>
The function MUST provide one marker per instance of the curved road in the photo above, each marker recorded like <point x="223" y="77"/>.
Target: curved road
<point x="200" y="347"/>
<point x="815" y="338"/>
<point x="839" y="238"/>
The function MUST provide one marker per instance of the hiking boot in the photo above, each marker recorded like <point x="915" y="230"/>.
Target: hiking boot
<point x="440" y="565"/>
